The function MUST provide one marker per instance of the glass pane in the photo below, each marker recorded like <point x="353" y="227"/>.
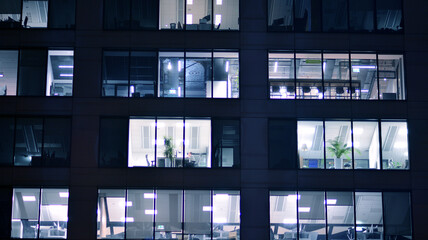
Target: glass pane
<point x="28" y="141"/>
<point x="144" y="14"/>
<point x="282" y="144"/>
<point x="197" y="214"/>
<point x="312" y="222"/>
<point x="198" y="74"/>
<point x="340" y="215"/>
<point x="32" y="72"/>
<point x="389" y="15"/>
<point x="338" y="144"/>
<point x="115" y="73"/>
<point x="140" y="214"/>
<point x="10" y="14"/>
<point x="364" y="76"/>
<point x="143" y="74"/>
<point x="116" y="14"/>
<point x="311" y="144"/>
<point x="336" y="76"/>
<point x="141" y="143"/>
<point x="226" y="14"/>
<point x="54" y="213"/>
<point x="25" y="212"/>
<point x="9" y="72"/>
<point x="395" y="150"/>
<point x="113" y="142"/>
<point x="226" y="75"/>
<point x="111" y="214"/>
<point x="5" y="210"/>
<point x="368" y="208"/>
<point x="171" y="14"/>
<point x="198" y="14"/>
<point x="309" y="75"/>
<point x="281" y="75"/>
<point x="168" y="214"/>
<point x="226" y="143"/>
<point x="308" y="16"/>
<point x="171" y="75"/>
<point x="398" y="218"/>
<point x="361" y="15"/>
<point x="62" y="14"/>
<point x="366" y="145"/>
<point x="56" y="142"/>
<point x="59" y="80"/>
<point x="335" y="15"/>
<point x="35" y="13"/>
<point x="7" y="129"/>
<point x="169" y="142"/>
<point x="226" y="215"/>
<point x="198" y="143"/>
<point x="280" y="15"/>
<point x="391" y="81"/>
<point x="283" y="215"/>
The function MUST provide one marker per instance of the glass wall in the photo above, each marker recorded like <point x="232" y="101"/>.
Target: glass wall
<point x="226" y="142"/>
<point x="335" y="15"/>
<point x="171" y="74"/>
<point x="130" y="14"/>
<point x="168" y="214"/>
<point x="113" y="142"/>
<point x="35" y="13"/>
<point x="391" y="84"/>
<point x="10" y="14"/>
<point x="9" y="72"/>
<point x="347" y="215"/>
<point x="32" y="72"/>
<point x="226" y="75"/>
<point x="59" y="80"/>
<point x="281" y="75"/>
<point x="336" y="76"/>
<point x="364" y="76"/>
<point x="389" y="15"/>
<point x="282" y="144"/>
<point x="62" y="13"/>
<point x="198" y="71"/>
<point x="226" y="14"/>
<point x="353" y="144"/>
<point x="309" y="76"/>
<point x="361" y="15"/>
<point x="115" y="73"/>
<point x="307" y="16"/>
<point x="39" y="213"/>
<point x="171" y="14"/>
<point x="198" y="14"/>
<point x="281" y="17"/>
<point x="142" y="74"/>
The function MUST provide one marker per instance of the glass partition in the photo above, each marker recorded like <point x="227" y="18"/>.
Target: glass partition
<point x="366" y="145"/>
<point x="226" y="214"/>
<point x="226" y="75"/>
<point x="395" y="149"/>
<point x="340" y="215"/>
<point x="9" y="72"/>
<point x="197" y="214"/>
<point x="312" y="219"/>
<point x="226" y="143"/>
<point x="197" y="143"/>
<point x="140" y="212"/>
<point x="281" y="17"/>
<point x="198" y="72"/>
<point x="281" y="76"/>
<point x="391" y="83"/>
<point x="141" y="143"/>
<point x="171" y="14"/>
<point x="338" y="144"/>
<point x="226" y="14"/>
<point x="283" y="214"/>
<point x="115" y="73"/>
<point x="369" y="215"/>
<point x="169" y="214"/>
<point x="198" y="14"/>
<point x="59" y="80"/>
<point x="169" y="143"/>
<point x="336" y="76"/>
<point x="364" y="76"/>
<point x="171" y="74"/>
<point x="111" y="214"/>
<point x="309" y="76"/>
<point x="54" y="213"/>
<point x="310" y="144"/>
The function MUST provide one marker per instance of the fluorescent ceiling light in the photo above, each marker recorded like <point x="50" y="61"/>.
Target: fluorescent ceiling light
<point x="189" y="2"/>
<point x="169" y="66"/>
<point x="289" y="220"/>
<point x="150" y="212"/>
<point x="63" y="194"/>
<point x="217" y="19"/>
<point x="358" y="131"/>
<point x="331" y="201"/>
<point x="127" y="219"/>
<point x="304" y="209"/>
<point x="227" y="66"/>
<point x="189" y="19"/>
<point x="306" y="130"/>
<point x="221" y="197"/>
<point x="364" y="90"/>
<point x="363" y="67"/>
<point x="323" y="66"/>
<point x="149" y="195"/>
<point x="275" y="68"/>
<point x="219" y="2"/>
<point x="1" y="75"/>
<point x="65" y="66"/>
<point x="29" y="198"/>
<point x="220" y="220"/>
<point x="207" y="208"/>
<point x="66" y="75"/>
<point x="402" y="131"/>
<point x="293" y="197"/>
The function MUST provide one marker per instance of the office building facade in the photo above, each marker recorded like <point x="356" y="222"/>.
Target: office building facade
<point x="213" y="119"/>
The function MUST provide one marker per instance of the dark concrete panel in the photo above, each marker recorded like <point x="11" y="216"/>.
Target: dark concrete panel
<point x="420" y="213"/>
<point x="84" y="141"/>
<point x="82" y="213"/>
<point x="87" y="72"/>
<point x="309" y="179"/>
<point x="89" y="15"/>
<point x="254" y="209"/>
<point x="254" y="143"/>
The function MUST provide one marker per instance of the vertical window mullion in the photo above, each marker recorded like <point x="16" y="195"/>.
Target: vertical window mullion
<point x="182" y="213"/>
<point x="184" y="142"/>
<point x="212" y="209"/>
<point x="43" y="142"/>
<point x="129" y="73"/>
<point x="383" y="216"/>
<point x="325" y="155"/>
<point x="322" y="76"/>
<point x="156" y="142"/>
<point x="184" y="70"/>
<point x="325" y="216"/>
<point x="295" y="76"/>
<point x="212" y="71"/>
<point x="377" y="76"/>
<point x="126" y="212"/>
<point x="355" y="215"/>
<point x="297" y="215"/>
<point x="40" y="206"/>
<point x="350" y="71"/>
<point x="380" y="144"/>
<point x="154" y="212"/>
<point x="352" y="145"/>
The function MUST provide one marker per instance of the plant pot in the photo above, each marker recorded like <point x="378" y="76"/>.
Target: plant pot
<point x="338" y="163"/>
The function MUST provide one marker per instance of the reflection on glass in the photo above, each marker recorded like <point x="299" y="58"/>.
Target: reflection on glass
<point x="25" y="213"/>
<point x="198" y="74"/>
<point x="226" y="75"/>
<point x="226" y="214"/>
<point x="54" y="213"/>
<point x="361" y="15"/>
<point x="169" y="143"/>
<point x="168" y="214"/>
<point x="312" y="221"/>
<point x="35" y="13"/>
<point x="198" y="14"/>
<point x="391" y="82"/>
<point x="310" y="144"/>
<point x="8" y="72"/>
<point x="398" y="217"/>
<point x="226" y="14"/>
<point x="59" y="80"/>
<point x="335" y="15"/>
<point x="115" y="73"/>
<point x="116" y="14"/>
<point x="197" y="143"/>
<point x="389" y="15"/>
<point x="28" y="141"/>
<point x="366" y="145"/>
<point x="308" y="16"/>
<point x="280" y="16"/>
<point x="142" y="74"/>
<point x="171" y="74"/>
<point x="140" y="213"/>
<point x="141" y="143"/>
<point x="283" y="214"/>
<point x="309" y="76"/>
<point x="197" y="214"/>
<point x="111" y="214"/>
<point x="336" y="76"/>
<point x="369" y="217"/>
<point x="226" y="143"/>
<point x="281" y="75"/>
<point x="144" y="14"/>
<point x="340" y="215"/>
<point x="338" y="144"/>
<point x="364" y="76"/>
<point x="171" y="14"/>
<point x="395" y="150"/>
<point x="10" y="14"/>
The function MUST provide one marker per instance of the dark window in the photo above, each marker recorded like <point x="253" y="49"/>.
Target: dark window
<point x="7" y="127"/>
<point x="113" y="142"/>
<point x="130" y="14"/>
<point x="5" y="212"/>
<point x="115" y="73"/>
<point x="144" y="14"/>
<point x="389" y="15"/>
<point x="28" y="141"/>
<point x="10" y="13"/>
<point x="117" y="14"/>
<point x="397" y="215"/>
<point x="32" y="72"/>
<point x="281" y="17"/>
<point x="335" y="15"/>
<point x="307" y="16"/>
<point x="143" y="74"/>
<point x="56" y="142"/>
<point x="61" y="14"/>
<point x="282" y="144"/>
<point x="226" y="143"/>
<point x="361" y="15"/>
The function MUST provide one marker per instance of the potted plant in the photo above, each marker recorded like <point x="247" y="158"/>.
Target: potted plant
<point x="339" y="149"/>
<point x="169" y="150"/>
